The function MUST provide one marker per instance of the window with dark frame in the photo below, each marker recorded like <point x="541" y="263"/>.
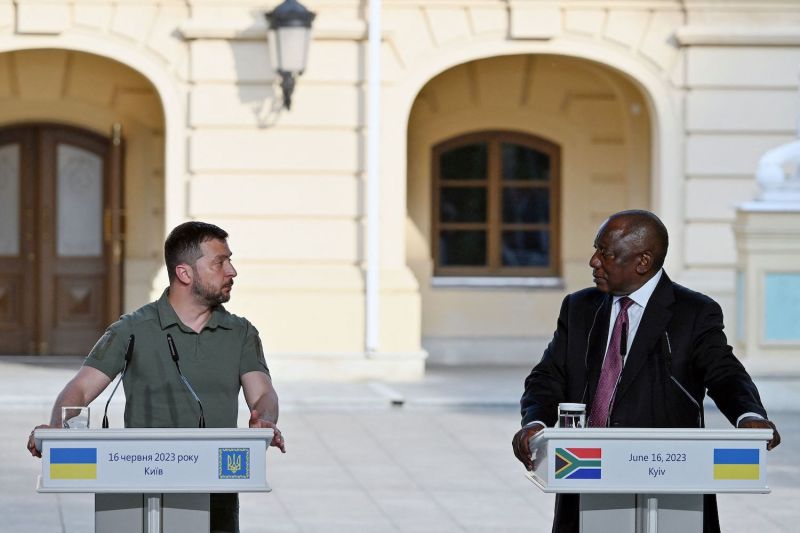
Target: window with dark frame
<point x="495" y="206"/>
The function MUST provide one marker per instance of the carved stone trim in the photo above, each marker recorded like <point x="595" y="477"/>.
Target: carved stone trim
<point x="738" y="36"/>
<point x="326" y="30"/>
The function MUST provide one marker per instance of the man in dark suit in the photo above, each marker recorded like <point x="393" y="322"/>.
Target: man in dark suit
<point x="639" y="351"/>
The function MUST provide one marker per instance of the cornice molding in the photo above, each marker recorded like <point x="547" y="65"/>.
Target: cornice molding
<point x="738" y="36"/>
<point x="735" y="6"/>
<point x="324" y="30"/>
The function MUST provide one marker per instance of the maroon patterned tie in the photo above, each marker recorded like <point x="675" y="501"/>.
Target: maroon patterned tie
<point x="612" y="367"/>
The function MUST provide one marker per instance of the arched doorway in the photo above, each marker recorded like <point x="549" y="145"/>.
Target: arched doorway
<point x="60" y="238"/>
<point x="597" y="122"/>
<point x="82" y="173"/>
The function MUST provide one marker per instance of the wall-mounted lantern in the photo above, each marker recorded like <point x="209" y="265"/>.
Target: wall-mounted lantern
<point x="289" y="33"/>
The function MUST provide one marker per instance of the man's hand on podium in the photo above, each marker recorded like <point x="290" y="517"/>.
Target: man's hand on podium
<point x="520" y="443"/>
<point x="752" y="422"/>
<point x="277" y="440"/>
<point x="32" y="442"/>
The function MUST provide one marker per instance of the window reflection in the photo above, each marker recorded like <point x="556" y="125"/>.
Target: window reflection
<point x="526" y="205"/>
<point x="525" y="248"/>
<point x="465" y="163"/>
<point x="524" y="163"/>
<point x="462" y="248"/>
<point x="463" y="204"/>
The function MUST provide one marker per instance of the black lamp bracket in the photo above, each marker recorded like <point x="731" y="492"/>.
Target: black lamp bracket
<point x="287" y="86"/>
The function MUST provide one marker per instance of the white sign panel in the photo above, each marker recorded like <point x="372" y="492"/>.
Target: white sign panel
<point x="153" y="465"/>
<point x="650" y="465"/>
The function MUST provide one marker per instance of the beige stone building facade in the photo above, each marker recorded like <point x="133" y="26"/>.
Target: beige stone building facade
<point x="509" y="130"/>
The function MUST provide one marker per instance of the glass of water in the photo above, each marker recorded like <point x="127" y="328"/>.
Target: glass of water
<point x="75" y="417"/>
<point x="571" y="415"/>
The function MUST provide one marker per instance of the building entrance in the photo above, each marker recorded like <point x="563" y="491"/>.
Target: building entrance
<point x="60" y="238"/>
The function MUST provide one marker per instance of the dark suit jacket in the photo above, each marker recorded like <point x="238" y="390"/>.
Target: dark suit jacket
<point x="680" y="336"/>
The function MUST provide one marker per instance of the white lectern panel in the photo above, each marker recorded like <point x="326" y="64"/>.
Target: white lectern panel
<point x="653" y="461"/>
<point x="153" y="460"/>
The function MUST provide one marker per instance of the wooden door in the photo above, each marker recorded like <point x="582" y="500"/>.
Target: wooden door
<point x="18" y="225"/>
<point x="61" y="261"/>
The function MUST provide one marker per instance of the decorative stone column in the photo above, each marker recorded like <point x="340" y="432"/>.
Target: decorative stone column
<point x="768" y="242"/>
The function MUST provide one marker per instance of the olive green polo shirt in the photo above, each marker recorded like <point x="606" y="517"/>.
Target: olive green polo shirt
<point x="212" y="361"/>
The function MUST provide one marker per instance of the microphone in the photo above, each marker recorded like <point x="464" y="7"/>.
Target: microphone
<point x="128" y="354"/>
<point x="678" y="383"/>
<point x="173" y="351"/>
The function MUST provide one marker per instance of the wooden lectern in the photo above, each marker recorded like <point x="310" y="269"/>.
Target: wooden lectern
<point x="648" y="480"/>
<point x="153" y="480"/>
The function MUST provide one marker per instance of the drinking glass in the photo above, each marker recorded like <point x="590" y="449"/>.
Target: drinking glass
<point x="75" y="417"/>
<point x="571" y="415"/>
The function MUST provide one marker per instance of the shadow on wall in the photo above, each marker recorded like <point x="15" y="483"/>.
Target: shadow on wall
<point x="256" y="78"/>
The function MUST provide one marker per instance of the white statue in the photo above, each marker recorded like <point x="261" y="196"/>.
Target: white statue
<point x="778" y="173"/>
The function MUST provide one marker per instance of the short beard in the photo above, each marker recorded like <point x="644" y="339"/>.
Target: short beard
<point x="206" y="295"/>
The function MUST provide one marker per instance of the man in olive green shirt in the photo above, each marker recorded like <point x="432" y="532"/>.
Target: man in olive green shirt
<point x="218" y="353"/>
<point x="212" y="361"/>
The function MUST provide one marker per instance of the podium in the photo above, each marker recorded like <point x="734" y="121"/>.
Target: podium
<point x="644" y="480"/>
<point x="153" y="480"/>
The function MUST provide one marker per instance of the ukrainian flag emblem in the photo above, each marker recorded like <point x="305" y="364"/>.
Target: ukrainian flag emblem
<point x="736" y="463"/>
<point x="73" y="463"/>
<point x="234" y="463"/>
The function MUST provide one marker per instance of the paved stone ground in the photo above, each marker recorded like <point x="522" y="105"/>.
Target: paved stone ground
<point x="430" y="456"/>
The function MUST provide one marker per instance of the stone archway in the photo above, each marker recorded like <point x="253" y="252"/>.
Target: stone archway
<point x="601" y="123"/>
<point x="120" y="108"/>
<point x="652" y="81"/>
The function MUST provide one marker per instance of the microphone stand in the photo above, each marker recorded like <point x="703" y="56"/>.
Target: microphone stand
<point x="128" y="354"/>
<point x="173" y="351"/>
<point x="678" y="383"/>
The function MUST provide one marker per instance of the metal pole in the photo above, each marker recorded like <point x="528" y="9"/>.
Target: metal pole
<point x="372" y="292"/>
<point x="153" y="513"/>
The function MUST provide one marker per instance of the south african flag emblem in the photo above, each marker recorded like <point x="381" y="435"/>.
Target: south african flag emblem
<point x="578" y="463"/>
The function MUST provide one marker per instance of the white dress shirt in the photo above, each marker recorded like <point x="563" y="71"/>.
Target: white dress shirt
<point x="640" y="298"/>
